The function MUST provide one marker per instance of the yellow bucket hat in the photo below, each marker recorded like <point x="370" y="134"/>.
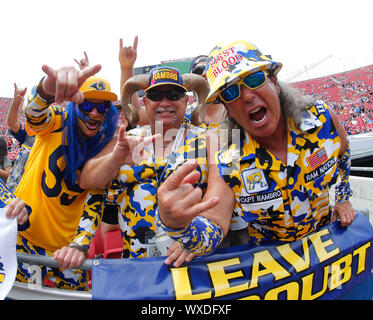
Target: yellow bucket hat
<point x="230" y="62"/>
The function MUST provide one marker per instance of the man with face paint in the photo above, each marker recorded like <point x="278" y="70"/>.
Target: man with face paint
<point x="65" y="139"/>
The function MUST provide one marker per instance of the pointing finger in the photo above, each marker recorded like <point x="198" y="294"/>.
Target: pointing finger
<point x="135" y="41"/>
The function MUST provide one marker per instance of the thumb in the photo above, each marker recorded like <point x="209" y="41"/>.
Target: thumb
<point x="49" y="71"/>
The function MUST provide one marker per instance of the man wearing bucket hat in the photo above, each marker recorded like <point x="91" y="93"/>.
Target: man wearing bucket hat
<point x="65" y="138"/>
<point x="181" y="138"/>
<point x="289" y="152"/>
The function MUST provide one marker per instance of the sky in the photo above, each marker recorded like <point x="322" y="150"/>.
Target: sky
<point x="299" y="34"/>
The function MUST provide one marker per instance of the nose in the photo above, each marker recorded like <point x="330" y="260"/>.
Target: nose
<point x="94" y="113"/>
<point x="247" y="94"/>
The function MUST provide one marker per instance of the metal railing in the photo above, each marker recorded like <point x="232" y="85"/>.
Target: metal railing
<point x="48" y="261"/>
<point x="367" y="169"/>
<point x="30" y="291"/>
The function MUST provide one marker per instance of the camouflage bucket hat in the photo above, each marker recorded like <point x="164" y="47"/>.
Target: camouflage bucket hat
<point x="230" y="62"/>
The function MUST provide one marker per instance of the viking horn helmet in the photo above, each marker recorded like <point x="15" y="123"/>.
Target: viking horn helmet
<point x="188" y="81"/>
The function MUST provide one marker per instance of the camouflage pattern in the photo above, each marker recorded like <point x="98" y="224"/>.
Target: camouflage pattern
<point x="231" y="62"/>
<point x="72" y="279"/>
<point x="139" y="201"/>
<point x="285" y="201"/>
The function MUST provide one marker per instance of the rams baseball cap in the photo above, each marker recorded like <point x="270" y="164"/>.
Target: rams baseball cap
<point x="97" y="88"/>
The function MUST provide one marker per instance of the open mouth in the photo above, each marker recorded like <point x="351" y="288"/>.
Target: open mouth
<point x="92" y="124"/>
<point x="258" y="115"/>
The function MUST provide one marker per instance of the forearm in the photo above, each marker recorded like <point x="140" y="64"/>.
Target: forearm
<point x="125" y="74"/>
<point x="343" y="190"/>
<point x="203" y="234"/>
<point x="12" y="116"/>
<point x="98" y="172"/>
<point x="37" y="109"/>
<point x="91" y="218"/>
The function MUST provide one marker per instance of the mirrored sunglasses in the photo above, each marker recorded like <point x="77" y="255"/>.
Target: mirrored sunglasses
<point x="252" y="81"/>
<point x="198" y="70"/>
<point x="101" y="107"/>
<point x="158" y="95"/>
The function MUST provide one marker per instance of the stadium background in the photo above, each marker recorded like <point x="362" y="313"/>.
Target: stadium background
<point x="349" y="93"/>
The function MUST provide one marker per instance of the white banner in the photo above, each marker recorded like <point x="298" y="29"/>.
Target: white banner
<point x="8" y="257"/>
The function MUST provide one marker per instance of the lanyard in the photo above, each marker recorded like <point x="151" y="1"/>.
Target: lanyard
<point x="172" y="156"/>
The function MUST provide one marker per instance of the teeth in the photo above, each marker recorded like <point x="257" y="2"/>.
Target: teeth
<point x="255" y="110"/>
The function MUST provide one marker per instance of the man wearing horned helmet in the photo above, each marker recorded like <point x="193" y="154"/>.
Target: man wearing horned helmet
<point x="181" y="139"/>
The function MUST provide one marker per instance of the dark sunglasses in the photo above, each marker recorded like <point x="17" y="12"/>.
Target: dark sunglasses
<point x="101" y="107"/>
<point x="198" y="70"/>
<point x="252" y="81"/>
<point x="158" y="95"/>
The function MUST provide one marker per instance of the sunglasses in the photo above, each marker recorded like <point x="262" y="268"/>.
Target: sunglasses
<point x="172" y="95"/>
<point x="198" y="70"/>
<point x="252" y="81"/>
<point x="101" y="107"/>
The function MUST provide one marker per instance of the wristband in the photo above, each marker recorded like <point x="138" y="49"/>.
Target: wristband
<point x="343" y="191"/>
<point x="200" y="237"/>
<point x="80" y="248"/>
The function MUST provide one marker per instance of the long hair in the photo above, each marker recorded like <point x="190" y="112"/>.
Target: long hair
<point x="293" y="104"/>
<point x="78" y="148"/>
<point x="3" y="150"/>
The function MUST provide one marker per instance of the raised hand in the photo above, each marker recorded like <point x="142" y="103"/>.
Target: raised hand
<point x="130" y="149"/>
<point x="127" y="55"/>
<point x="83" y="63"/>
<point x="19" y="93"/>
<point x="178" y="201"/>
<point x="63" y="84"/>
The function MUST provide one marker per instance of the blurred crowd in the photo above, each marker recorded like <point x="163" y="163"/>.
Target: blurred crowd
<point x="349" y="93"/>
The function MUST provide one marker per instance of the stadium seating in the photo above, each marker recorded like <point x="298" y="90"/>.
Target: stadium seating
<point x="349" y="93"/>
<point x="113" y="244"/>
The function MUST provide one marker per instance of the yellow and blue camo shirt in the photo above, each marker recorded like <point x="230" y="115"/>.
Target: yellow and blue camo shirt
<point x="285" y="202"/>
<point x="139" y="183"/>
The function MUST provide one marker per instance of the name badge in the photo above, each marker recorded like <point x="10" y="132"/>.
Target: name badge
<point x="254" y="180"/>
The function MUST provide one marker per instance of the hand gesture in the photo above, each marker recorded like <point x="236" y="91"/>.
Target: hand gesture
<point x="83" y="63"/>
<point x="130" y="149"/>
<point x="19" y="93"/>
<point x="64" y="83"/>
<point x="69" y="258"/>
<point x="127" y="55"/>
<point x="178" y="201"/>
<point x="345" y="212"/>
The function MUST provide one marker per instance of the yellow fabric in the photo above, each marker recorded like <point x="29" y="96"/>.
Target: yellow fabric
<point x="56" y="208"/>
